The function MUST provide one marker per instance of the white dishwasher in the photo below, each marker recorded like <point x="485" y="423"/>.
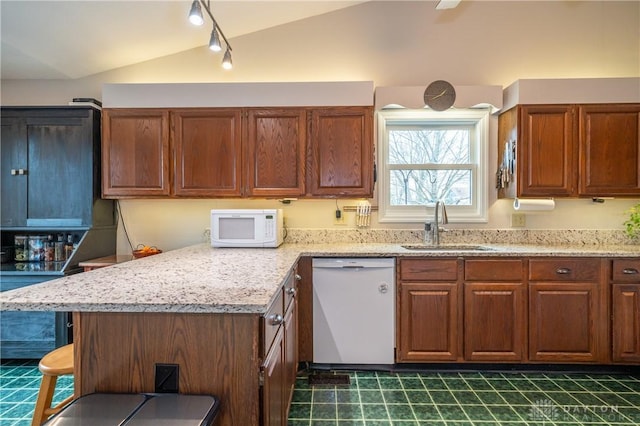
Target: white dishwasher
<point x="353" y="310"/>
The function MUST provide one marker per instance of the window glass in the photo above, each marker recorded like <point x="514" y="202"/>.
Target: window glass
<point x="432" y="156"/>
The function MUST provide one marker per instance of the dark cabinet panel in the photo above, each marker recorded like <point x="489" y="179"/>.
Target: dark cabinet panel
<point x="30" y="335"/>
<point x="50" y="167"/>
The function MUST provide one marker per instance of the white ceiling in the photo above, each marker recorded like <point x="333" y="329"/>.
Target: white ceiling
<point x="73" y="39"/>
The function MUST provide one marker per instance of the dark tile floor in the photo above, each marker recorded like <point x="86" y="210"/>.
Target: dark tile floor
<point x="451" y="398"/>
<point x="390" y="399"/>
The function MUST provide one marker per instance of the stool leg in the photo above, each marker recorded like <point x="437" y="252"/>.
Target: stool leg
<point x="45" y="396"/>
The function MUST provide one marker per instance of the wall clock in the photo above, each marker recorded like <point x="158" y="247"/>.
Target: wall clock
<point x="439" y="95"/>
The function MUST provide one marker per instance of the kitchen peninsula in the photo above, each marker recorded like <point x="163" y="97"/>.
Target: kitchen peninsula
<point x="210" y="312"/>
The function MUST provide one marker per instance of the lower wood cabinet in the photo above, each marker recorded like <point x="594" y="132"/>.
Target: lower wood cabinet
<point x="429" y="322"/>
<point x="429" y="312"/>
<point x="567" y="311"/>
<point x="625" y="305"/>
<point x="494" y="310"/>
<point x="529" y="310"/>
<point x="281" y="362"/>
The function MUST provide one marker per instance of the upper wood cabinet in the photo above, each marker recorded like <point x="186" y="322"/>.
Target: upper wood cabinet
<point x="341" y="152"/>
<point x="610" y="150"/>
<point x="276" y="152"/>
<point x="207" y="152"/>
<point x="572" y="150"/>
<point x="135" y="153"/>
<point x="238" y="152"/>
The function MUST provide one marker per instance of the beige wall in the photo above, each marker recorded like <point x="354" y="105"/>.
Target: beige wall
<point x="392" y="44"/>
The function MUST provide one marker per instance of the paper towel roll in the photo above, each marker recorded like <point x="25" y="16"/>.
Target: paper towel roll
<point x="534" y="204"/>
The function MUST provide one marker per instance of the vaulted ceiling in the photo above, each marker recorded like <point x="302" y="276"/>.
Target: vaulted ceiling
<point x="74" y="39"/>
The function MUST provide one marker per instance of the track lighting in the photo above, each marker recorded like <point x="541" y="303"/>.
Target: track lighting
<point x="196" y="18"/>
<point x="214" y="41"/>
<point x="195" y="15"/>
<point x="226" y="61"/>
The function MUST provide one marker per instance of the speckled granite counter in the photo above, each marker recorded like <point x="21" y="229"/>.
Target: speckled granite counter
<point x="200" y="279"/>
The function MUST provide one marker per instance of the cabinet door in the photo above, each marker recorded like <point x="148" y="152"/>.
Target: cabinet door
<point x="494" y="321"/>
<point x="563" y="322"/>
<point x="291" y="354"/>
<point x="61" y="168"/>
<point x="274" y="386"/>
<point x="13" y="183"/>
<point x="276" y="152"/>
<point x="547" y="151"/>
<point x="135" y="153"/>
<point x="429" y="322"/>
<point x="626" y="322"/>
<point x="610" y="149"/>
<point x="207" y="144"/>
<point x="341" y="152"/>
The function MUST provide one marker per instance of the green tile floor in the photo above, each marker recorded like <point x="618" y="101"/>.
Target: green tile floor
<point x="403" y="398"/>
<point x="469" y="398"/>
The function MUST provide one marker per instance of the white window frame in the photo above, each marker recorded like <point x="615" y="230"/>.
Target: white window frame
<point x="477" y="212"/>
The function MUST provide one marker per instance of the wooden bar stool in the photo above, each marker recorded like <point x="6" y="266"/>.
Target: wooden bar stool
<point x="58" y="362"/>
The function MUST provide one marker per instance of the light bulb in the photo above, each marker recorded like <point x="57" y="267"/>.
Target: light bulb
<point x="195" y="15"/>
<point x="226" y="61"/>
<point x="214" y="41"/>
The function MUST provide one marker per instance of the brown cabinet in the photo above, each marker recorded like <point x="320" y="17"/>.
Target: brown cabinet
<point x="429" y="317"/>
<point x="567" y="310"/>
<point x="135" y="153"/>
<point x="625" y="305"/>
<point x="276" y="152"/>
<point x="610" y="150"/>
<point x="341" y="152"/>
<point x="572" y="150"/>
<point x="281" y="360"/>
<point x="238" y="152"/>
<point x="207" y="151"/>
<point x="495" y="321"/>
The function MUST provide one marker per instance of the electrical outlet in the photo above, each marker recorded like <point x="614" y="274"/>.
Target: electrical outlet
<point x="206" y="235"/>
<point x="167" y="378"/>
<point x="338" y="218"/>
<point x="518" y="220"/>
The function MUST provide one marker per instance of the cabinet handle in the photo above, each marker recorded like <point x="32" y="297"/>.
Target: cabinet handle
<point x="298" y="277"/>
<point x="630" y="271"/>
<point x="563" y="271"/>
<point x="275" y="319"/>
<point x="291" y="291"/>
<point x="15" y="172"/>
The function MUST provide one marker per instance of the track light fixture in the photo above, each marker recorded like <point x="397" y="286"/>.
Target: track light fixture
<point x="196" y="18"/>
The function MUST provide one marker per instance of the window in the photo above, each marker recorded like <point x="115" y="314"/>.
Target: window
<point x="426" y="156"/>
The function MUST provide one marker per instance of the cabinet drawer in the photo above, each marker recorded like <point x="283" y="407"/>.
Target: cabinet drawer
<point x="493" y="270"/>
<point x="429" y="269"/>
<point x="625" y="270"/>
<point x="564" y="269"/>
<point x="272" y="320"/>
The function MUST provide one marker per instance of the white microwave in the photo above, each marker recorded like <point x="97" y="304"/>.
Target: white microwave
<point x="247" y="228"/>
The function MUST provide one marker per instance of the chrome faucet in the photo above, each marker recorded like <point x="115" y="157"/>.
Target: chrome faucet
<point x="432" y="229"/>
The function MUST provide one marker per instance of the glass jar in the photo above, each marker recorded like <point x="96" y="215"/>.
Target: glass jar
<point x="36" y="248"/>
<point x="21" y="248"/>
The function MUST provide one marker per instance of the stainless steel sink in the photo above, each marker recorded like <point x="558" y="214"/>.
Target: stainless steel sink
<point x="446" y="247"/>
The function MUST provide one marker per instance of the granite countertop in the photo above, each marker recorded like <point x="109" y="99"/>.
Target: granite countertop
<point x="201" y="279"/>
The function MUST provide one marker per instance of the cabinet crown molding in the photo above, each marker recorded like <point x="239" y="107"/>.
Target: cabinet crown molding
<point x="187" y="95"/>
<point x="572" y="91"/>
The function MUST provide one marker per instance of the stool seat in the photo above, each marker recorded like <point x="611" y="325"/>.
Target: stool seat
<point x="58" y="362"/>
